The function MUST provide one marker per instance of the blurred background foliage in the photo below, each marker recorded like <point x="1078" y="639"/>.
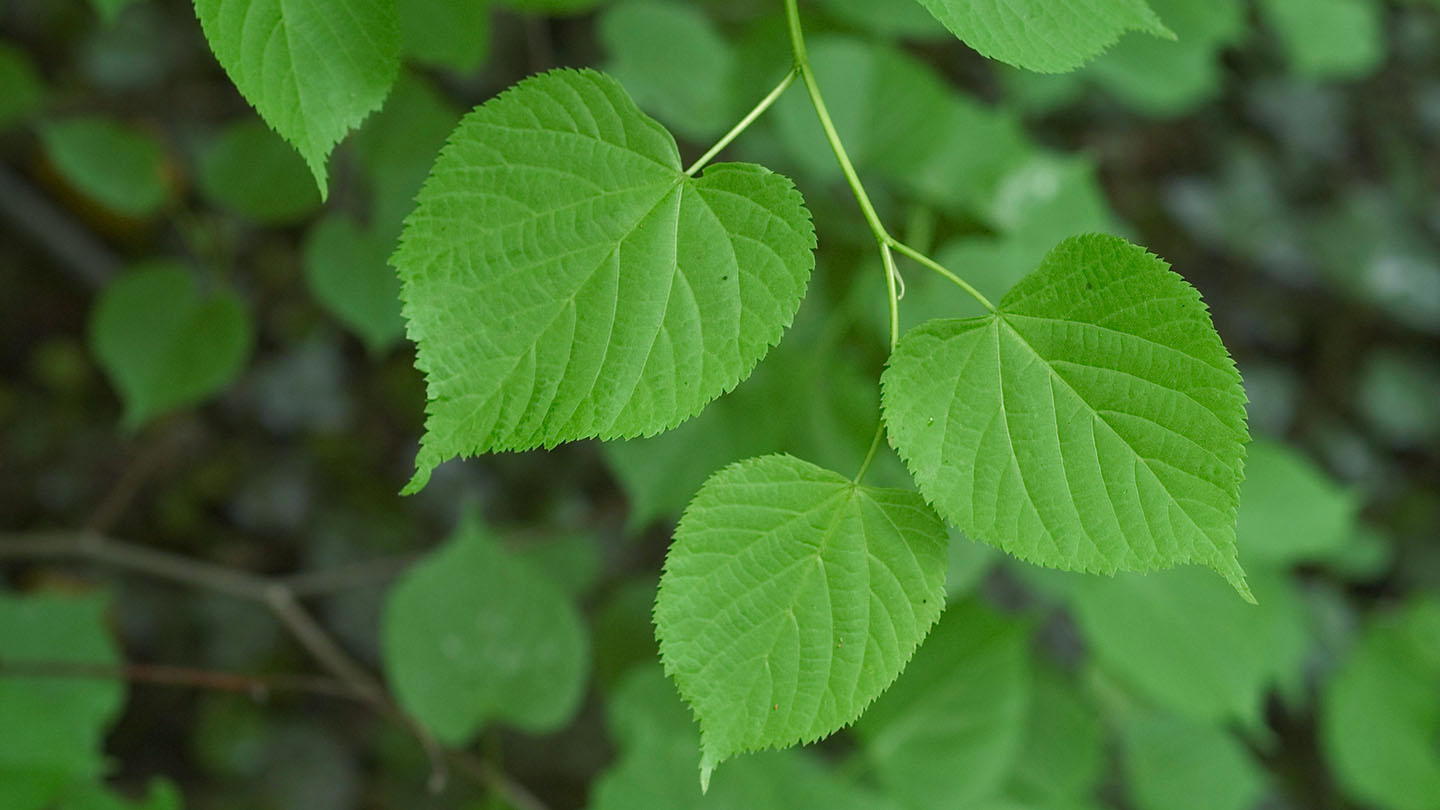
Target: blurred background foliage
<point x="201" y="359"/>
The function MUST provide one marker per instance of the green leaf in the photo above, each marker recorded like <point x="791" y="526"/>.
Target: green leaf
<point x="791" y="598"/>
<point x="564" y="279"/>
<point x="948" y="731"/>
<point x="1380" y="714"/>
<point x="249" y="170"/>
<point x="656" y="767"/>
<point x="1183" y="640"/>
<point x="347" y="271"/>
<point x="1094" y="423"/>
<point x="163" y="344"/>
<point x="452" y="34"/>
<point x="312" y="69"/>
<point x="473" y="634"/>
<point x="1176" y="764"/>
<point x="1047" y="36"/>
<point x="118" y="166"/>
<point x="1290" y="511"/>
<point x="53" y="726"/>
<point x="21" y="89"/>
<point x="673" y="62"/>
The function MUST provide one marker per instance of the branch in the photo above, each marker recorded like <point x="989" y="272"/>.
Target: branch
<point x="282" y="597"/>
<point x="256" y="686"/>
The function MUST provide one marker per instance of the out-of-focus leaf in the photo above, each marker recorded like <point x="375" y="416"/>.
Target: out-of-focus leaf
<point x="673" y="62"/>
<point x="248" y="169"/>
<point x="53" y="726"/>
<point x="348" y="271"/>
<point x="656" y="768"/>
<point x="474" y="634"/>
<point x="119" y="166"/>
<point x="1290" y="511"/>
<point x="1183" y="639"/>
<point x="1177" y="764"/>
<point x="1380" y="713"/>
<point x="453" y="34"/>
<point x="164" y="344"/>
<point x="1329" y="39"/>
<point x="949" y="730"/>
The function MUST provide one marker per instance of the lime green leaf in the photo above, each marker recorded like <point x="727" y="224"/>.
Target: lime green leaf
<point x="21" y="89"/>
<point x="1380" y="714"/>
<point x="1183" y="640"/>
<point x="248" y="169"/>
<point x="118" y="166"/>
<point x="673" y="61"/>
<point x="312" y="69"/>
<point x="163" y="344"/>
<point x="1047" y="36"/>
<point x="791" y="598"/>
<point x="656" y="768"/>
<point x="1177" y="764"/>
<point x="948" y="731"/>
<point x="54" y="726"/>
<point x="473" y="633"/>
<point x="347" y="271"/>
<point x="1329" y="39"/>
<point x="1094" y="423"/>
<point x="564" y="279"/>
<point x="1290" y="511"/>
<point x="453" y="34"/>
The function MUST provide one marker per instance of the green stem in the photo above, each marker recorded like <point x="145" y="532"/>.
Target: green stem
<point x="802" y="64"/>
<point x="870" y="456"/>
<point x="750" y="118"/>
<point x="940" y="268"/>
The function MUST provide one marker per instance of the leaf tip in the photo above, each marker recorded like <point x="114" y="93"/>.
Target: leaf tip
<point x="708" y="761"/>
<point x="1235" y="575"/>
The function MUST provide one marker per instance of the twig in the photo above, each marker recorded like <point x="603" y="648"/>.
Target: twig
<point x="273" y="594"/>
<point x="71" y="245"/>
<point x="256" y="686"/>
<point x="150" y="459"/>
<point x="515" y="794"/>
<point x="310" y="584"/>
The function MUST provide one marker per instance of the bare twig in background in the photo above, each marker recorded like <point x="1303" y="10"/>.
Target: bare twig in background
<point x="259" y="687"/>
<point x="283" y="600"/>
<point x="73" y="247"/>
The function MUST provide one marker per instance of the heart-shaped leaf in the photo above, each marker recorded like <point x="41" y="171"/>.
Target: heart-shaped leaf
<point x="1094" y="422"/>
<point x="473" y="633"/>
<point x="164" y="345"/>
<point x="565" y="279"/>
<point x="791" y="598"/>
